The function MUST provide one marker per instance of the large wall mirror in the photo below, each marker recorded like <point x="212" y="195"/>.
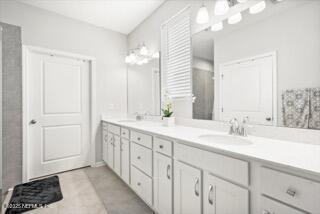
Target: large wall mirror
<point x="144" y="87"/>
<point x="265" y="67"/>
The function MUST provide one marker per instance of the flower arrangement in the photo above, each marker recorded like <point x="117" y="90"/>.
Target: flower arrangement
<point x="167" y="111"/>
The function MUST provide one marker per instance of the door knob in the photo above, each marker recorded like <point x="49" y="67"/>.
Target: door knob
<point x="33" y="122"/>
<point x="268" y="119"/>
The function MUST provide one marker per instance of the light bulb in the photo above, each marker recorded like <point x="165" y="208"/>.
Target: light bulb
<point x="202" y="15"/>
<point x="234" y="19"/>
<point x="217" y="26"/>
<point x="156" y="55"/>
<point x="139" y="62"/>
<point x="257" y="8"/>
<point x="144" y="50"/>
<point x="133" y="58"/>
<point x="145" y="61"/>
<point x="221" y="7"/>
<point x="127" y="59"/>
<point x="242" y="1"/>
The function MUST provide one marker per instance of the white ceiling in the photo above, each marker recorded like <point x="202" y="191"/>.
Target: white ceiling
<point x="117" y="15"/>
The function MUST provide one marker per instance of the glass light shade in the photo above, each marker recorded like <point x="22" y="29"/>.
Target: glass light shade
<point x="257" y="8"/>
<point x="127" y="59"/>
<point x="217" y="26"/>
<point x="132" y="58"/>
<point x="156" y="55"/>
<point x="144" y="50"/>
<point x="139" y="62"/>
<point x="234" y="19"/>
<point x="202" y="15"/>
<point x="221" y="7"/>
<point x="145" y="61"/>
<point x="242" y="1"/>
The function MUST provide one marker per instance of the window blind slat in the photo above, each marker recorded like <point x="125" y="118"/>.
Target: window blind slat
<point x="178" y="55"/>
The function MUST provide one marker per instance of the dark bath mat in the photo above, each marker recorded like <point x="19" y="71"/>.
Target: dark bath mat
<point x="34" y="194"/>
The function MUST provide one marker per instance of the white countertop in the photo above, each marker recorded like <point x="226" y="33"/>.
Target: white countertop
<point x="295" y="155"/>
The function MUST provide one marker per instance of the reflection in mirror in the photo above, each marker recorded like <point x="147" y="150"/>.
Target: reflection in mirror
<point x="144" y="88"/>
<point x="265" y="67"/>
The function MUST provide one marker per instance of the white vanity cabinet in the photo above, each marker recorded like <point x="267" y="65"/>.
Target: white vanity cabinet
<point x="163" y="176"/>
<point x="221" y="197"/>
<point x="177" y="177"/>
<point x="187" y="189"/>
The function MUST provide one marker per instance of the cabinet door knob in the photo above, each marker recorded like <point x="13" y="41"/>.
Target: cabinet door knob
<point x="291" y="192"/>
<point x="139" y="184"/>
<point x="138" y="157"/>
<point x="268" y="118"/>
<point x="196" y="187"/>
<point x="168" y="172"/>
<point x="161" y="146"/>
<point x="139" y="138"/>
<point x="210" y="199"/>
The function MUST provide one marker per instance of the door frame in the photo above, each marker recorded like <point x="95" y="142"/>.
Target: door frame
<point x="274" y="57"/>
<point x="26" y="50"/>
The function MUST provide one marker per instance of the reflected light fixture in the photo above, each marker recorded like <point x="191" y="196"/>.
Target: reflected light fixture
<point x="203" y="15"/>
<point x="234" y="19"/>
<point x="257" y="8"/>
<point x="144" y="50"/>
<point x="242" y="1"/>
<point x="217" y="26"/>
<point x="221" y="7"/>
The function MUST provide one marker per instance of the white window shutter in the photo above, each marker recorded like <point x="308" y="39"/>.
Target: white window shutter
<point x="176" y="55"/>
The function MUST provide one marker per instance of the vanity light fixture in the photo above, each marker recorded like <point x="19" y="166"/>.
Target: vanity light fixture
<point x="234" y="19"/>
<point x="217" y="26"/>
<point x="221" y="7"/>
<point x="140" y="55"/>
<point x="203" y="15"/>
<point x="257" y="8"/>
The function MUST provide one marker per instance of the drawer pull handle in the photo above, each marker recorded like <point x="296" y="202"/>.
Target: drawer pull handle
<point x="291" y="192"/>
<point x="139" y="184"/>
<point x="138" y="157"/>
<point x="196" y="185"/>
<point x="210" y="199"/>
<point x="123" y="133"/>
<point x="168" y="172"/>
<point x="139" y="138"/>
<point x="161" y="146"/>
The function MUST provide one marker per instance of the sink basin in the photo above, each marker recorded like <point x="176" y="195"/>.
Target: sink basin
<point x="127" y="121"/>
<point x="225" y="139"/>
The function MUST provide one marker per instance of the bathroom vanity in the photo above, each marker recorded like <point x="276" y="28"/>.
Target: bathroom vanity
<point x="185" y="170"/>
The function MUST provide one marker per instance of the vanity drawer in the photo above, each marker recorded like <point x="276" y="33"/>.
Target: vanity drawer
<point x="163" y="146"/>
<point x="114" y="129"/>
<point x="141" y="184"/>
<point x="125" y="133"/>
<point x="269" y="206"/>
<point x="142" y="139"/>
<point x="293" y="190"/>
<point x="141" y="157"/>
<point x="223" y="166"/>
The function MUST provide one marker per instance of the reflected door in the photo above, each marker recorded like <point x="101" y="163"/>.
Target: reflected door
<point x="246" y="89"/>
<point x="58" y="113"/>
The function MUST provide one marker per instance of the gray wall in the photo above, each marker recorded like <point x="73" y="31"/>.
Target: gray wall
<point x="11" y="106"/>
<point x="49" y="30"/>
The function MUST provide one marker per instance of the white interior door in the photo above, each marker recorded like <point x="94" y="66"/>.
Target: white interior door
<point x="58" y="111"/>
<point x="247" y="90"/>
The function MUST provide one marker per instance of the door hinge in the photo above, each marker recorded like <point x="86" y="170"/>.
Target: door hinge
<point x="222" y="109"/>
<point x="222" y="76"/>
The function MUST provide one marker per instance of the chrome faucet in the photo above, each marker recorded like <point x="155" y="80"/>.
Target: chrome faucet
<point x="139" y="116"/>
<point x="239" y="129"/>
<point x="234" y="126"/>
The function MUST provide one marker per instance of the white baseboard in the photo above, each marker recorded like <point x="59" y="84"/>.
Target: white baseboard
<point x="98" y="164"/>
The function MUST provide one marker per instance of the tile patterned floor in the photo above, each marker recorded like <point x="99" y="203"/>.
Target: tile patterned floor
<point x="95" y="191"/>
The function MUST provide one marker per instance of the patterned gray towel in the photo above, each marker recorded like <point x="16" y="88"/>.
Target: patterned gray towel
<point x="296" y="108"/>
<point x="314" y="121"/>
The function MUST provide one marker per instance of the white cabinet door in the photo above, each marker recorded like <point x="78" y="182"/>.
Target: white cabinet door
<point x="187" y="189"/>
<point x="125" y="163"/>
<point x="117" y="155"/>
<point x="105" y="145"/>
<point x="110" y="150"/>
<point x="222" y="197"/>
<point x="162" y="184"/>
